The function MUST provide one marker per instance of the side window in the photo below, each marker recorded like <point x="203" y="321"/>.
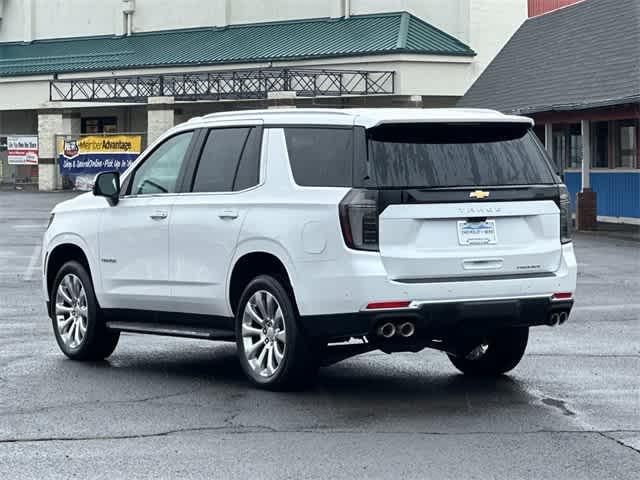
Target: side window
<point x="249" y="169"/>
<point x="160" y="170"/>
<point x="321" y="157"/>
<point x="229" y="161"/>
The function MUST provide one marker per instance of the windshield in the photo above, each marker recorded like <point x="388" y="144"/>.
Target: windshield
<point x="456" y="155"/>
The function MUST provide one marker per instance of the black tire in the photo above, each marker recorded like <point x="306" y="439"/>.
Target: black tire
<point x="505" y="350"/>
<point x="299" y="365"/>
<point x="98" y="341"/>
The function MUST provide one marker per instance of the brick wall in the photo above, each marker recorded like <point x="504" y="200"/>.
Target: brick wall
<point x="538" y="7"/>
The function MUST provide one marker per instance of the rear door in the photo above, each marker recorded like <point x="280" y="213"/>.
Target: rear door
<point x="464" y="201"/>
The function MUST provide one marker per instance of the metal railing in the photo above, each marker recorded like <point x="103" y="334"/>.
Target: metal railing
<point x="224" y="85"/>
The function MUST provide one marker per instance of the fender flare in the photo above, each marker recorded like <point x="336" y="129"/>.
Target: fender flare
<point x="262" y="245"/>
<point x="67" y="238"/>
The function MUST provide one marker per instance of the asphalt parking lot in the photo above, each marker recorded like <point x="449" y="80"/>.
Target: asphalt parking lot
<point x="172" y="408"/>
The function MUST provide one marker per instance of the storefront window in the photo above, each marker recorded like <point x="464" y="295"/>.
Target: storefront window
<point x="600" y="144"/>
<point x="567" y="145"/>
<point x="560" y="147"/>
<point x="575" y="146"/>
<point x="626" y="147"/>
<point x="99" y="125"/>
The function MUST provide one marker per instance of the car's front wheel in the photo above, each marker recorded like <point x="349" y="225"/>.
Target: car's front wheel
<point x="273" y="351"/>
<point x="492" y="354"/>
<point x="78" y="327"/>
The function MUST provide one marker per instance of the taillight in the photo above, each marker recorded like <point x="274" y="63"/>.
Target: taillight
<point x="565" y="215"/>
<point x="359" y="219"/>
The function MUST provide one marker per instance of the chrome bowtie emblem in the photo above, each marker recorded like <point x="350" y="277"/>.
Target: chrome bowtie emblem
<point x="479" y="194"/>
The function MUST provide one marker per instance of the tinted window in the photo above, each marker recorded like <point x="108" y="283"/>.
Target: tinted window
<point x="249" y="169"/>
<point x="229" y="160"/>
<point x="457" y="155"/>
<point x="321" y="157"/>
<point x="159" y="172"/>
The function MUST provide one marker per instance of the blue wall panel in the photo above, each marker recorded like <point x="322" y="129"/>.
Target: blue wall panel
<point x="618" y="193"/>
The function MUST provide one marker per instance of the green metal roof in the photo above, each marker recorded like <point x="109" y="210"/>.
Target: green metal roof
<point x="288" y="40"/>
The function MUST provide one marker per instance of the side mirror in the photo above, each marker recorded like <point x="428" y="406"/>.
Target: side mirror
<point x="107" y="184"/>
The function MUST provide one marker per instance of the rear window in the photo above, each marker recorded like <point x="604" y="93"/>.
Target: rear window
<point x="321" y="157"/>
<point x="456" y="155"/>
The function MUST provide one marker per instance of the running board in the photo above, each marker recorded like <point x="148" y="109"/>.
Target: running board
<point x="172" y="330"/>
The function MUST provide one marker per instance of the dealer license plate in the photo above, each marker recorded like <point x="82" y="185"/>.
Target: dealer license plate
<point x="473" y="233"/>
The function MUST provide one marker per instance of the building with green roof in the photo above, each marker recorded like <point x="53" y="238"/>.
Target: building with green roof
<point x="131" y="66"/>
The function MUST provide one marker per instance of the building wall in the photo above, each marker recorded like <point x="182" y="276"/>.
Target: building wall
<point x="72" y="18"/>
<point x="614" y="170"/>
<point x="18" y="122"/>
<point x="492" y="23"/>
<point x="485" y="25"/>
<point x="538" y="7"/>
<point x="24" y="93"/>
<point x="415" y="75"/>
<point x="617" y="193"/>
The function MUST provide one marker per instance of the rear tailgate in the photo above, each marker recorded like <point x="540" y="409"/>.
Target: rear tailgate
<point x="424" y="242"/>
<point x="464" y="200"/>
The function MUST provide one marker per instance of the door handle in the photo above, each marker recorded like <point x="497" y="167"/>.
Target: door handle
<point x="228" y="214"/>
<point x="159" y="215"/>
<point x="483" y="264"/>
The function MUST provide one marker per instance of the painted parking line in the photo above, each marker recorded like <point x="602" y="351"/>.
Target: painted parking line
<point x="29" y="226"/>
<point x="34" y="262"/>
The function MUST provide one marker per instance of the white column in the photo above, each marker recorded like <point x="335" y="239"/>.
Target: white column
<point x="51" y="124"/>
<point x="160" y="117"/>
<point x="586" y="154"/>
<point x="548" y="138"/>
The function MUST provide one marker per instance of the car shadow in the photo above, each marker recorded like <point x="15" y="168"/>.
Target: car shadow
<point x="375" y="379"/>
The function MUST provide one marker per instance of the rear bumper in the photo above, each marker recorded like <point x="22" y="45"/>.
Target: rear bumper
<point x="442" y="319"/>
<point x="352" y="281"/>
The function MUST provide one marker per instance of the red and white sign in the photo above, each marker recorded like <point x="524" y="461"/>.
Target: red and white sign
<point x="22" y="150"/>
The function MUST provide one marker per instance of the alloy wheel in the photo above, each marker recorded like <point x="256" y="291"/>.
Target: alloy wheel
<point x="71" y="309"/>
<point x="263" y="334"/>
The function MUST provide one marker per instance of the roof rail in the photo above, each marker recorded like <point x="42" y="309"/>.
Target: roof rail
<point x="279" y="111"/>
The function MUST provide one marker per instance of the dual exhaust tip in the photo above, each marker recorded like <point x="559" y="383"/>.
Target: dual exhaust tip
<point x="557" y="318"/>
<point x="388" y="330"/>
<point x="408" y="329"/>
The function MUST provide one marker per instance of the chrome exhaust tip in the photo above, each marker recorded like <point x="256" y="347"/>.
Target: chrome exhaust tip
<point x="563" y="317"/>
<point x="406" y="329"/>
<point x="387" y="330"/>
<point x="554" y="319"/>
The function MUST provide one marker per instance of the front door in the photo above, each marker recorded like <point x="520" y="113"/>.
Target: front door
<point x="206" y="223"/>
<point x="134" y="234"/>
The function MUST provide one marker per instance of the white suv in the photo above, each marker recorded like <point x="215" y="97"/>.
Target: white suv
<point x="308" y="236"/>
